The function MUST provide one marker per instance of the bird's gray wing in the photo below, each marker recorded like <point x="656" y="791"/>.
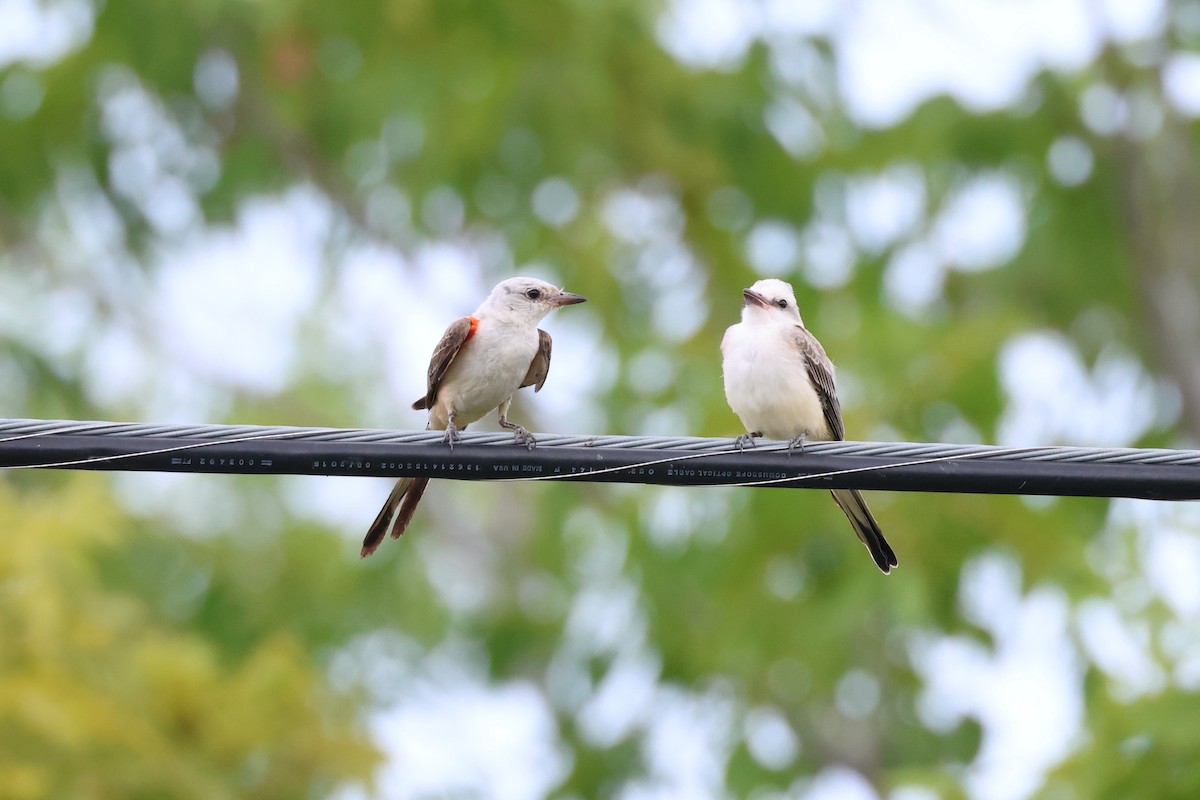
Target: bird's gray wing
<point x="820" y="373"/>
<point x="539" y="368"/>
<point x="443" y="356"/>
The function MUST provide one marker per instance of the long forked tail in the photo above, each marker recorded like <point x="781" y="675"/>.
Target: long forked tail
<point x="405" y="494"/>
<point x="852" y="503"/>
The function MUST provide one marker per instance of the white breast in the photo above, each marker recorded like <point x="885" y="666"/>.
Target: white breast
<point x="766" y="383"/>
<point x="488" y="370"/>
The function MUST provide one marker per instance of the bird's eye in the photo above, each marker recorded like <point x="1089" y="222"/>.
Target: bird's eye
<point x="781" y="303"/>
<point x="533" y="294"/>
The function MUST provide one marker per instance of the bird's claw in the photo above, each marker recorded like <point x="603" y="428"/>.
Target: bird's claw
<point x="451" y="437"/>
<point x="799" y="441"/>
<point x="522" y="436"/>
<point x="746" y="439"/>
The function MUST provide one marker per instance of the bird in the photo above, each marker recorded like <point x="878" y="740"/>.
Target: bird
<point x="480" y="362"/>
<point x="780" y="384"/>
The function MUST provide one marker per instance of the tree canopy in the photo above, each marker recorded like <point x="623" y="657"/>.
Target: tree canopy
<point x="267" y="213"/>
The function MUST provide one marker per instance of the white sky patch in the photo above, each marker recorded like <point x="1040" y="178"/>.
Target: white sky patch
<point x="913" y="279"/>
<point x="388" y="210"/>
<point x="602" y="618"/>
<point x="770" y="738"/>
<point x="555" y="201"/>
<point x="1171" y="559"/>
<point x="789" y="18"/>
<point x="192" y="504"/>
<point x="829" y="254"/>
<point x="794" y="127"/>
<point x="380" y="313"/>
<point x="460" y="736"/>
<point x="1181" y="83"/>
<point x="1032" y="707"/>
<point x="40" y="33"/>
<point x="981" y="53"/>
<point x="710" y="34"/>
<point x="643" y="215"/>
<point x="215" y="78"/>
<point x="1132" y="20"/>
<point x="672" y="516"/>
<point x="1054" y="399"/>
<point x="582" y="370"/>
<point x="772" y="247"/>
<point x="680" y="291"/>
<point x="1121" y="649"/>
<point x="464" y="578"/>
<point x="1103" y="109"/>
<point x="153" y="162"/>
<point x="28" y="298"/>
<point x="1151" y="519"/>
<point x="116" y="367"/>
<point x="622" y="698"/>
<point x="688" y="740"/>
<point x="1161" y="565"/>
<point x="857" y="695"/>
<point x="1069" y="160"/>
<point x="229" y="302"/>
<point x="798" y="64"/>
<point x="881" y="209"/>
<point x="655" y="261"/>
<point x="981" y="225"/>
<point x="839" y="783"/>
<point x="346" y="504"/>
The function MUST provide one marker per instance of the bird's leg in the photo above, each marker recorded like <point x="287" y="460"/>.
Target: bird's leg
<point x="521" y="435"/>
<point x="799" y="441"/>
<point x="451" y="436"/>
<point x="747" y="439"/>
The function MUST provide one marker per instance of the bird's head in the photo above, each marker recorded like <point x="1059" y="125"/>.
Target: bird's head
<point x="526" y="300"/>
<point x="770" y="300"/>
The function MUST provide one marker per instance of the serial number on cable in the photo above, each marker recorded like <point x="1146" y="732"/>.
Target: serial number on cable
<point x="396" y="465"/>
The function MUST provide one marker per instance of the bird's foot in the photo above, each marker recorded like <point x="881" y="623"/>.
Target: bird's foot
<point x="451" y="437"/>
<point x="747" y="439"/>
<point x="799" y="441"/>
<point x="522" y="436"/>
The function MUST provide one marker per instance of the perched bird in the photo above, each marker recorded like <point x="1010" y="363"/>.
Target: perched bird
<point x="779" y="382"/>
<point x="478" y="365"/>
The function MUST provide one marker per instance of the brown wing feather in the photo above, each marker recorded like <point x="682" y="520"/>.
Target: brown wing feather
<point x="443" y="355"/>
<point x="820" y="372"/>
<point x="539" y="368"/>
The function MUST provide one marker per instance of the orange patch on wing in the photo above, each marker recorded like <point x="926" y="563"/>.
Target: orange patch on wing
<point x="474" y="327"/>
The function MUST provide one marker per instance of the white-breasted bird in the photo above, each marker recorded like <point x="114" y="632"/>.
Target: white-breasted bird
<point x="779" y="382"/>
<point x="478" y="365"/>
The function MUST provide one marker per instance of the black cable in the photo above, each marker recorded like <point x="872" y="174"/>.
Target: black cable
<point x="1097" y="472"/>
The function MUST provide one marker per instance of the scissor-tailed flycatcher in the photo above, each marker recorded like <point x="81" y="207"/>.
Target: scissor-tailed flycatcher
<point x="779" y="382"/>
<point x="477" y="366"/>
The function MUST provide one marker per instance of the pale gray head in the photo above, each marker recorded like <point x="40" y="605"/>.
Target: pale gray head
<point x="770" y="300"/>
<point x="526" y="300"/>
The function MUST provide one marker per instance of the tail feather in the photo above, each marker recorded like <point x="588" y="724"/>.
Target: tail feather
<point x="864" y="524"/>
<point x="405" y="494"/>
<point x="409" y="506"/>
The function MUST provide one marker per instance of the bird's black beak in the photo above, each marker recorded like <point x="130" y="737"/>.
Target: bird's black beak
<point x="568" y="299"/>
<point x="753" y="298"/>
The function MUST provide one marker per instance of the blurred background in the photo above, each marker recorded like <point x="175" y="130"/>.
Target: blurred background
<point x="267" y="212"/>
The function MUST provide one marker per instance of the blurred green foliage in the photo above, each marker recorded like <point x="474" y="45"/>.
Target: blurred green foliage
<point x="136" y="661"/>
